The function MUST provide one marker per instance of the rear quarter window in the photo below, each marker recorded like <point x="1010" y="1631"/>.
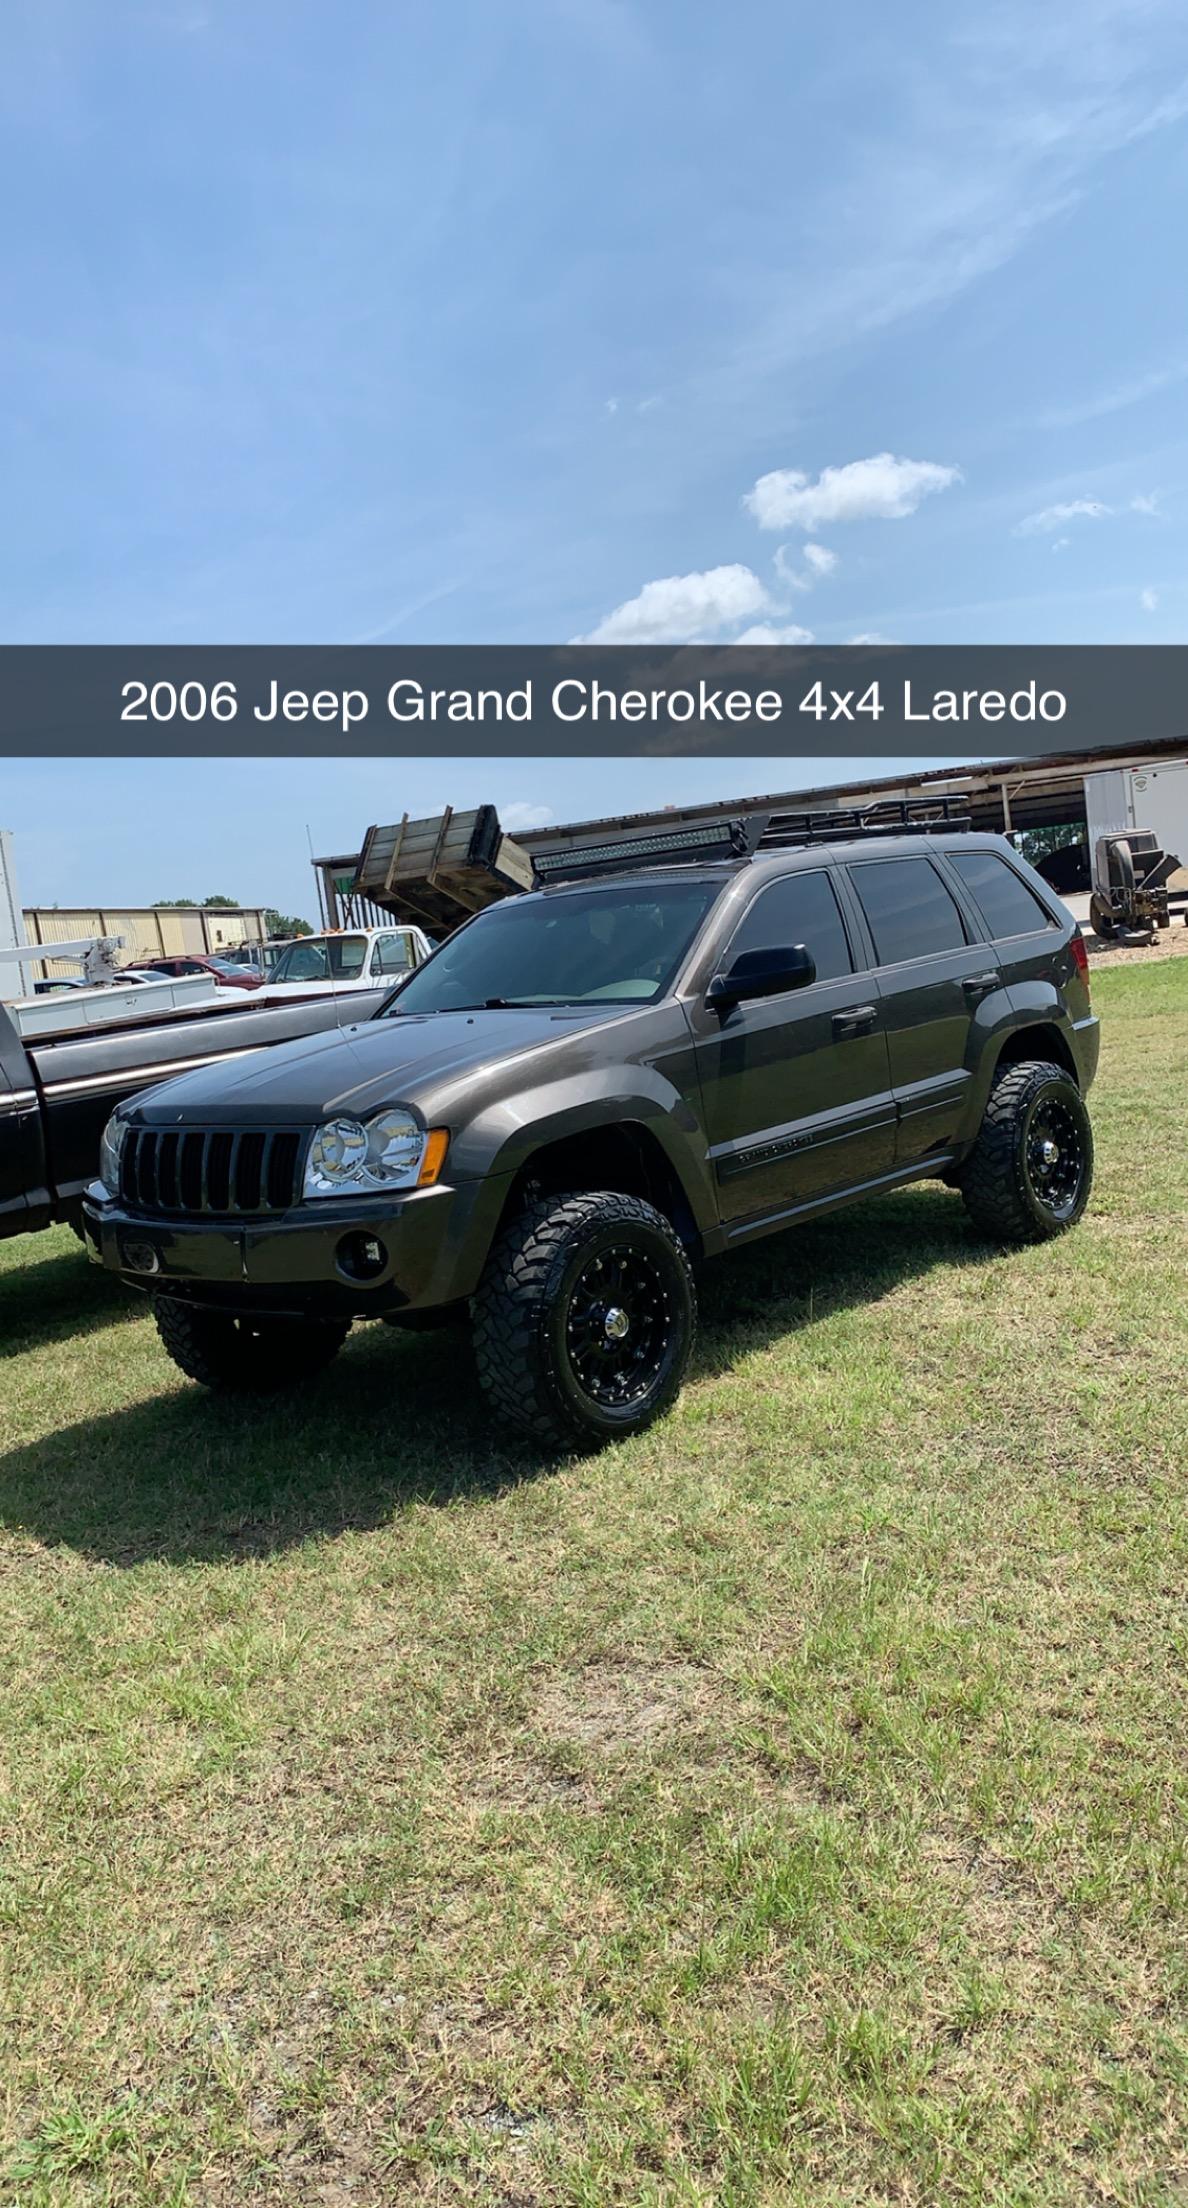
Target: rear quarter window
<point x="1004" y="900"/>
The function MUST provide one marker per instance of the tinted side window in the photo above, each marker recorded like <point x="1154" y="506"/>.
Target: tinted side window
<point x="802" y="908"/>
<point x="1006" y="904"/>
<point x="909" y="909"/>
<point x="392" y="955"/>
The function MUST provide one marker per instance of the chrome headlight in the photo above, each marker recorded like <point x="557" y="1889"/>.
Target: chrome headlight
<point x="355" y="1157"/>
<point x="111" y="1150"/>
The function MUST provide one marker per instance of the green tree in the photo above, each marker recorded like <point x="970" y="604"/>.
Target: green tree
<point x="1039" y="843"/>
<point x="278" y="925"/>
<point x="191" y="904"/>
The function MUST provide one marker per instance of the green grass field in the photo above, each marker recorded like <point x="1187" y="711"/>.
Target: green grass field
<point x="790" y="1806"/>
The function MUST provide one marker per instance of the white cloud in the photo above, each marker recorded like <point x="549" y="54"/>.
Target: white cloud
<point x="792" y="578"/>
<point x="870" y="636"/>
<point x="987" y="127"/>
<point x="611" y="405"/>
<point x="882" y="488"/>
<point x="818" y="563"/>
<point x="683" y="609"/>
<point x="1054" y="517"/>
<point x="1149" y="600"/>
<point x="1061" y="544"/>
<point x="1113" y="399"/>
<point x="765" y="632"/>
<point x="1147" y="502"/>
<point x="521" y="813"/>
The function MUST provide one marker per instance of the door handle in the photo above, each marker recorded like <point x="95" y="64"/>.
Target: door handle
<point x="857" y="1020"/>
<point x="980" y="985"/>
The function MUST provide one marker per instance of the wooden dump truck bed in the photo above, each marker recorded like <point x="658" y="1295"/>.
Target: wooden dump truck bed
<point x="437" y="872"/>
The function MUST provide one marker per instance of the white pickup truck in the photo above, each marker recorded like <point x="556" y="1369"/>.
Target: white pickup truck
<point x="344" y="960"/>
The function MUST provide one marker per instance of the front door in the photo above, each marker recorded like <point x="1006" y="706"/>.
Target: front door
<point x="796" y="1088"/>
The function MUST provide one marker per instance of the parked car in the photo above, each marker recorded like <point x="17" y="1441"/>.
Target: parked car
<point x="58" y="1083"/>
<point x="591" y="1086"/>
<point x="137" y="976"/>
<point x="126" y="975"/>
<point x="346" y="959"/>
<point x="222" y="972"/>
<point x="259" y="958"/>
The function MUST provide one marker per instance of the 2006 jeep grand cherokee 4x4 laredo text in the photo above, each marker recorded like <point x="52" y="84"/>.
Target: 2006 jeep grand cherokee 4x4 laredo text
<point x="648" y="1062"/>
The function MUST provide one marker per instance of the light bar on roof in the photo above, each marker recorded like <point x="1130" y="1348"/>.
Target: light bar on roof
<point x="725" y="839"/>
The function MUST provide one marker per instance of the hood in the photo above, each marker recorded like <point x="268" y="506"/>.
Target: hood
<point x="357" y="1069"/>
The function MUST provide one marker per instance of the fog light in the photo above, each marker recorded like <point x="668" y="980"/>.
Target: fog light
<point x="141" y="1257"/>
<point x="362" y="1256"/>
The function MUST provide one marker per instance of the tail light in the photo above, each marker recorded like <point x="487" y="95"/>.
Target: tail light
<point x="1080" y="956"/>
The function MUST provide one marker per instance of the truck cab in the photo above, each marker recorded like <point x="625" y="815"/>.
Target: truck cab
<point x="346" y="959"/>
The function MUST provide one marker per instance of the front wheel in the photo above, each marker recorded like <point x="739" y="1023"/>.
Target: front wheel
<point x="1029" y="1173"/>
<point x="245" y="1355"/>
<point x="584" y="1319"/>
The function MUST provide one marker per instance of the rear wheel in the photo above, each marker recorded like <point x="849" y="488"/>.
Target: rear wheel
<point x="1029" y="1173"/>
<point x="245" y="1355"/>
<point x="584" y="1319"/>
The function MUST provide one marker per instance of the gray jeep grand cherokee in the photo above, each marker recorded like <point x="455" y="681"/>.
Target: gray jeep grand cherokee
<point x="650" y="1061"/>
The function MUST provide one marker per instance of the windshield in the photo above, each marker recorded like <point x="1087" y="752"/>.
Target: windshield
<point x="322" y="958"/>
<point x="591" y="946"/>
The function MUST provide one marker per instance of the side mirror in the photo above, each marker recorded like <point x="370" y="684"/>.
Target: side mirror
<point x="762" y="974"/>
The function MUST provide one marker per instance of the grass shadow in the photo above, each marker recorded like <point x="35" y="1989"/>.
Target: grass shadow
<point x="191" y="1477"/>
<point x="55" y="1298"/>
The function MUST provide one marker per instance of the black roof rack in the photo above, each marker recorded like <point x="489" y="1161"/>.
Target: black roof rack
<point x="890" y="816"/>
<point x="748" y="838"/>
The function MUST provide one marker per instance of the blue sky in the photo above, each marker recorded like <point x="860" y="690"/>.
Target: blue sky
<point x="562" y="318"/>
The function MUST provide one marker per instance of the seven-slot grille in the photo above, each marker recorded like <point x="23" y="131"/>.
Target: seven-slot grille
<point x="210" y="1169"/>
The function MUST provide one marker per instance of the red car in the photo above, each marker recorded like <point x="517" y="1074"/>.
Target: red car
<point x="221" y="971"/>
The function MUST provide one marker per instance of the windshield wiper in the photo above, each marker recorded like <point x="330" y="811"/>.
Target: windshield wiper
<point x="503" y="1004"/>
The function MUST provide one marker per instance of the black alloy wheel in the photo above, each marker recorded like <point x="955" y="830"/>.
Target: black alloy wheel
<point x="1055" y="1154"/>
<point x="584" y="1318"/>
<point x="618" y="1326"/>
<point x="1029" y="1173"/>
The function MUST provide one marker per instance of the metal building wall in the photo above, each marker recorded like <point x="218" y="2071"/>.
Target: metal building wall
<point x="157" y="931"/>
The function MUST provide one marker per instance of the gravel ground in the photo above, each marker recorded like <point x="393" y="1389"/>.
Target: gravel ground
<point x="1169" y="943"/>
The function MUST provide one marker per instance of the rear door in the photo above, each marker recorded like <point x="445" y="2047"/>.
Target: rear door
<point x="796" y="1088"/>
<point x="931" y="976"/>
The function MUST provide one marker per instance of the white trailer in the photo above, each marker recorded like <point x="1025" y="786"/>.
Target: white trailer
<point x="1155" y="798"/>
<point x="1137" y="819"/>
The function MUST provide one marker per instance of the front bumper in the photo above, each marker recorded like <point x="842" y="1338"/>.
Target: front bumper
<point x="434" y="1243"/>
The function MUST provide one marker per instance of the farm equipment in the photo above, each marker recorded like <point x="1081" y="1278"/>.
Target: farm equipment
<point x="1136" y="887"/>
<point x="437" y="873"/>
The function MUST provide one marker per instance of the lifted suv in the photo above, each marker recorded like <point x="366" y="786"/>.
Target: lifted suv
<point x="590" y="1086"/>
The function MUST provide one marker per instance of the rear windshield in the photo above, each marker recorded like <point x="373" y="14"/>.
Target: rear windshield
<point x="590" y="946"/>
<point x="322" y="958"/>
